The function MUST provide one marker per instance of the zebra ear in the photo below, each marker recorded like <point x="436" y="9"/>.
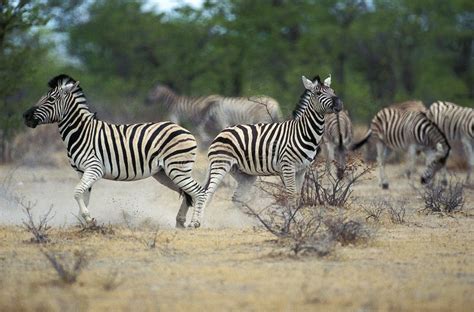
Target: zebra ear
<point x="308" y="84"/>
<point x="327" y="81"/>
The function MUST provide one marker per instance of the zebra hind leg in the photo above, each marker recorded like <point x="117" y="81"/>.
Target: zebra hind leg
<point x="185" y="203"/>
<point x="469" y="148"/>
<point x="216" y="172"/>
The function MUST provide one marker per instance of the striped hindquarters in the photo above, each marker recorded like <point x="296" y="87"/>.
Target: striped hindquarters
<point x="399" y="129"/>
<point x="338" y="129"/>
<point x="455" y="121"/>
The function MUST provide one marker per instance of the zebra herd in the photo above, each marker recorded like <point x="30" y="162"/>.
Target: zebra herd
<point x="251" y="139"/>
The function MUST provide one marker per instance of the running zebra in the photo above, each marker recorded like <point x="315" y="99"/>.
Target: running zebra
<point x="285" y="148"/>
<point x="457" y="123"/>
<point x="97" y="149"/>
<point x="209" y="115"/>
<point x="337" y="140"/>
<point x="407" y="130"/>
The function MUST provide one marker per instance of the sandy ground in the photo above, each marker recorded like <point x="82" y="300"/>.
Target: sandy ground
<point x="425" y="264"/>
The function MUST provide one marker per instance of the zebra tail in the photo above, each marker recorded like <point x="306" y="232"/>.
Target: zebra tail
<point x="341" y="147"/>
<point x="362" y="142"/>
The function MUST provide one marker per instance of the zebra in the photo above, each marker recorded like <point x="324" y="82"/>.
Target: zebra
<point x="457" y="123"/>
<point x="97" y="149"/>
<point x="337" y="140"/>
<point x="337" y="136"/>
<point x="283" y="148"/>
<point x="210" y="114"/>
<point x="182" y="109"/>
<point x="407" y="129"/>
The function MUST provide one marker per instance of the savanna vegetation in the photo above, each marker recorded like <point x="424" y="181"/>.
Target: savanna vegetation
<point x="377" y="51"/>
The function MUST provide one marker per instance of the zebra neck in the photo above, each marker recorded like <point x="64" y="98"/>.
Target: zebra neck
<point x="312" y="123"/>
<point x="77" y="119"/>
<point x="304" y="102"/>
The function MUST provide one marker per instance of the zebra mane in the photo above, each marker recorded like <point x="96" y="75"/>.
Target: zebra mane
<point x="304" y="101"/>
<point x="59" y="79"/>
<point x="64" y="79"/>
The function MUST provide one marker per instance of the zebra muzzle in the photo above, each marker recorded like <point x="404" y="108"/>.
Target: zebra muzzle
<point x="29" y="118"/>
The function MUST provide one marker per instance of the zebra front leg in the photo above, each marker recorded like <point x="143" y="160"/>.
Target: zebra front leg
<point x="468" y="147"/>
<point x="83" y="189"/>
<point x="289" y="179"/>
<point x="381" y="153"/>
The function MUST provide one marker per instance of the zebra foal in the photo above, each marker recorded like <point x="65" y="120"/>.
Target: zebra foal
<point x="404" y="130"/>
<point x="284" y="149"/>
<point x="457" y="123"/>
<point x="97" y="149"/>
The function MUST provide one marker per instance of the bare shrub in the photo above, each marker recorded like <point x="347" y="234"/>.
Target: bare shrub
<point x="443" y="199"/>
<point x="397" y="214"/>
<point x="93" y="227"/>
<point x="68" y="270"/>
<point x="112" y="280"/>
<point x="298" y="228"/>
<point x="374" y="211"/>
<point x="149" y="239"/>
<point x="327" y="188"/>
<point x="39" y="229"/>
<point x="347" y="231"/>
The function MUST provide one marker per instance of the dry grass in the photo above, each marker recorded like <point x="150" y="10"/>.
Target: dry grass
<point x="423" y="265"/>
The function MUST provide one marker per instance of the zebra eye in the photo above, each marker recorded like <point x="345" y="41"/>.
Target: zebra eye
<point x="50" y="99"/>
<point x="318" y="93"/>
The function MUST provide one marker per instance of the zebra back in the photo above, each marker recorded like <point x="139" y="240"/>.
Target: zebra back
<point x="454" y="120"/>
<point x="412" y="105"/>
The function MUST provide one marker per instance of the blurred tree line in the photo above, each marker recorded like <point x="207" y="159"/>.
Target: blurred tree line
<point x="378" y="51"/>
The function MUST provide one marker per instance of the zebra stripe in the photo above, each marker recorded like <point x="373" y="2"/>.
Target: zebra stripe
<point x="457" y="123"/>
<point x="211" y="114"/>
<point x="285" y="148"/>
<point x="407" y="130"/>
<point x="337" y="138"/>
<point x="97" y="149"/>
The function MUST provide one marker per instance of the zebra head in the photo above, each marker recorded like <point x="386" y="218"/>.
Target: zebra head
<point x="53" y="106"/>
<point x="324" y="98"/>
<point x="436" y="159"/>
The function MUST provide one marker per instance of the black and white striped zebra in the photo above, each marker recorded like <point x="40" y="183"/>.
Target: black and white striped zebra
<point x="97" y="149"/>
<point x="337" y="135"/>
<point x="337" y="140"/>
<point x="210" y="114"/>
<point x="284" y="149"/>
<point x="457" y="123"/>
<point x="407" y="130"/>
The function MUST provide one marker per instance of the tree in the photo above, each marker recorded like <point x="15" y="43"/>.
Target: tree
<point x="20" y="48"/>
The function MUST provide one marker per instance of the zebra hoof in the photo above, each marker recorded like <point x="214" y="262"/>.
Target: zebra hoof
<point x="180" y="224"/>
<point x="194" y="224"/>
<point x="385" y="186"/>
